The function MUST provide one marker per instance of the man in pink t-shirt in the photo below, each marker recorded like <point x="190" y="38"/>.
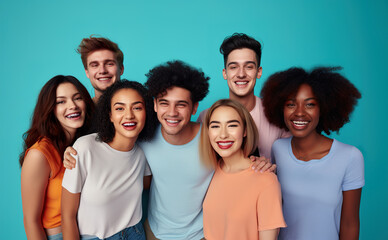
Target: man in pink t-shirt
<point x="242" y="55"/>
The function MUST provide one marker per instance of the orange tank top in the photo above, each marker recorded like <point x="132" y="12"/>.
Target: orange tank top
<point x="51" y="215"/>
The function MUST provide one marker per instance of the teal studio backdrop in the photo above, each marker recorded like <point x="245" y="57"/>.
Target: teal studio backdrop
<point x="39" y="38"/>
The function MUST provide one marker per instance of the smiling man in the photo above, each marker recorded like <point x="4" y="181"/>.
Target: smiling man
<point x="179" y="181"/>
<point x="242" y="56"/>
<point x="103" y="63"/>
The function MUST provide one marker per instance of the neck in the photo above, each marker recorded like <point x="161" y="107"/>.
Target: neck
<point x="315" y="146"/>
<point x="97" y="95"/>
<point x="123" y="145"/>
<point x="235" y="163"/>
<point x="249" y="101"/>
<point x="187" y="134"/>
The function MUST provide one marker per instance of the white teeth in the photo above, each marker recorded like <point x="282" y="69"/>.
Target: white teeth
<point x="300" y="123"/>
<point x="103" y="79"/>
<point x="73" y="115"/>
<point x="225" y="143"/>
<point x="128" y="124"/>
<point x="241" y="83"/>
<point x="172" y="121"/>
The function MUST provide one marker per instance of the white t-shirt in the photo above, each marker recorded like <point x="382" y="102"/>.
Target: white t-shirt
<point x="111" y="185"/>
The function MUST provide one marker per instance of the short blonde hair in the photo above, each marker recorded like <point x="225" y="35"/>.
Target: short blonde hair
<point x="208" y="155"/>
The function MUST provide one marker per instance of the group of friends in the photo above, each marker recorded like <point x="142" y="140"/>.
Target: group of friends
<point x="250" y="167"/>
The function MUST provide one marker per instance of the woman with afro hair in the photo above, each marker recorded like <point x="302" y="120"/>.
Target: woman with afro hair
<point x="321" y="178"/>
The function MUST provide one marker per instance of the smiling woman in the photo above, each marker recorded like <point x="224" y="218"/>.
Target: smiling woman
<point x="330" y="173"/>
<point x="232" y="209"/>
<point x="62" y="113"/>
<point x="101" y="197"/>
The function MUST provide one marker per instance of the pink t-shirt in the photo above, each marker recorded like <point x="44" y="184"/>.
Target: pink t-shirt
<point x="234" y="209"/>
<point x="268" y="132"/>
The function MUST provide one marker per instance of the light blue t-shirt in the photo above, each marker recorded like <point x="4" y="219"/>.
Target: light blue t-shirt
<point x="312" y="190"/>
<point x="178" y="188"/>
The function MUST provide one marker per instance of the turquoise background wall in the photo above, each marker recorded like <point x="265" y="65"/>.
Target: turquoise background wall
<point x="39" y="38"/>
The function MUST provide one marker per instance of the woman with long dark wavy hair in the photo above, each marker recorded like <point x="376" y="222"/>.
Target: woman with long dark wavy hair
<point x="62" y="113"/>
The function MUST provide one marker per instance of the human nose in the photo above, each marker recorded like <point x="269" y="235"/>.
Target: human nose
<point x="300" y="110"/>
<point x="241" y="72"/>
<point x="172" y="110"/>
<point x="223" y="132"/>
<point x="102" y="69"/>
<point x="129" y="114"/>
<point x="71" y="104"/>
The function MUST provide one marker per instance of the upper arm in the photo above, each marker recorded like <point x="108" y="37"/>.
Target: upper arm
<point x="69" y="203"/>
<point x="271" y="234"/>
<point x="34" y="179"/>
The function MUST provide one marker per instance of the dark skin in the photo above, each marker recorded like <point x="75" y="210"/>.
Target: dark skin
<point x="301" y="116"/>
<point x="350" y="220"/>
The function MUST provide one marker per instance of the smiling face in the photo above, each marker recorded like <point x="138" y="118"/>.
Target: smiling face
<point x="102" y="69"/>
<point x="301" y="113"/>
<point x="128" y="115"/>
<point x="70" y="108"/>
<point x="226" y="132"/>
<point x="174" y="110"/>
<point x="241" y="72"/>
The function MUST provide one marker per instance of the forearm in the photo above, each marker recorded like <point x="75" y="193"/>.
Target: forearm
<point x="349" y="231"/>
<point x="34" y="229"/>
<point x="70" y="228"/>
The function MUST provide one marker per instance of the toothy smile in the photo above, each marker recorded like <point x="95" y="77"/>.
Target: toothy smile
<point x="225" y="145"/>
<point x="172" y="121"/>
<point x="73" y="115"/>
<point x="241" y="83"/>
<point x="300" y="123"/>
<point x="129" y="124"/>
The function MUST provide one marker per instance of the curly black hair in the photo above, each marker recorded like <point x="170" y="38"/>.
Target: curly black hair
<point x="105" y="128"/>
<point x="239" y="41"/>
<point x="177" y="74"/>
<point x="335" y="94"/>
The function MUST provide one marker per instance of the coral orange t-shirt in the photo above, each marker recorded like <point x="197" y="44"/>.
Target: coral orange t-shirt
<point x="51" y="215"/>
<point x="239" y="205"/>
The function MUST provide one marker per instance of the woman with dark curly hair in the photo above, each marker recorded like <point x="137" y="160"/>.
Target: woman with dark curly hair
<point x="62" y="113"/>
<point x="110" y="168"/>
<point x="321" y="178"/>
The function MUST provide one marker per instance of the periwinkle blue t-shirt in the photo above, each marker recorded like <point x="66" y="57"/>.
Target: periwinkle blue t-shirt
<point x="178" y="188"/>
<point x="312" y="190"/>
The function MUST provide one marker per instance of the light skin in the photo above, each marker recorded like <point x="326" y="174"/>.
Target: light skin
<point x="226" y="134"/>
<point x="301" y="116"/>
<point x="241" y="72"/>
<point x="102" y="70"/>
<point x="174" y="111"/>
<point x="128" y="116"/>
<point x="69" y="108"/>
<point x="36" y="171"/>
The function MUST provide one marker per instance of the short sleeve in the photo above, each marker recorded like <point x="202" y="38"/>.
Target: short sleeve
<point x="147" y="169"/>
<point x="73" y="179"/>
<point x="354" y="175"/>
<point x="269" y="206"/>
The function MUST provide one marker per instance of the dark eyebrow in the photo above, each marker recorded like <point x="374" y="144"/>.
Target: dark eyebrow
<point x="165" y="100"/>
<point x="230" y="121"/>
<point x="77" y="93"/>
<point x="123" y="104"/>
<point x="247" y="62"/>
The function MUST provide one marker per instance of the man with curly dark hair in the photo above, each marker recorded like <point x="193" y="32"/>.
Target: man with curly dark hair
<point x="242" y="56"/>
<point x="179" y="181"/>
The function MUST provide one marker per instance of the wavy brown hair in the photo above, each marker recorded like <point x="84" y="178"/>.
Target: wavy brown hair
<point x="44" y="122"/>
